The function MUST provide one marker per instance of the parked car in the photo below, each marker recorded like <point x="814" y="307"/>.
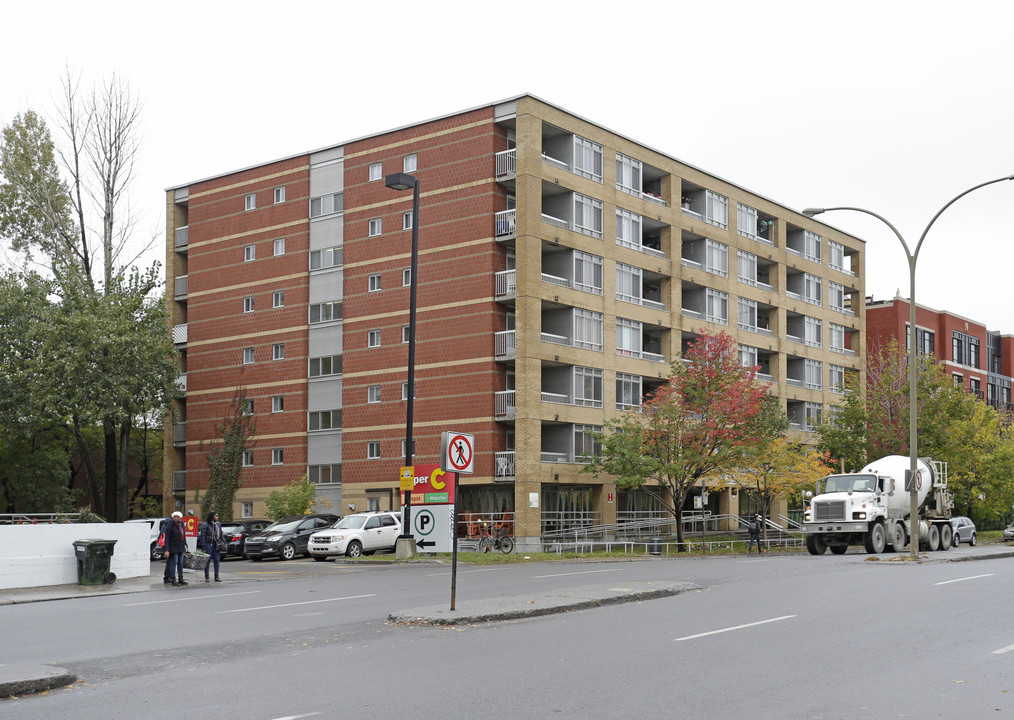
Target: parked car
<point x="237" y="531"/>
<point x="355" y="535"/>
<point x="1008" y="532"/>
<point x="155" y="552"/>
<point x="964" y="530"/>
<point x="287" y="537"/>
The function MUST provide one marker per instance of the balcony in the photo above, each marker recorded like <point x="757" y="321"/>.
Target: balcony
<point x="181" y="383"/>
<point x="506" y="285"/>
<point x="180" y="286"/>
<point x="558" y="164"/>
<point x="179" y="482"/>
<point x="179" y="434"/>
<point x="506" y="164"/>
<point x="503" y="345"/>
<point x="503" y="405"/>
<point x="180" y="334"/>
<point x="567" y="268"/>
<point x="504" y="466"/>
<point x="504" y="224"/>
<point x="182" y="238"/>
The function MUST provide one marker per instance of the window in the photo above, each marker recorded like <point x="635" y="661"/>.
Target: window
<point x="747" y="356"/>
<point x="277" y="403"/>
<point x="279" y="195"/>
<point x="813" y="332"/>
<point x="813" y="374"/>
<point x="249" y="253"/>
<point x="374" y="283"/>
<point x="628" y="283"/>
<point x="628" y="174"/>
<point x="247" y="458"/>
<point x="717" y="306"/>
<point x="746" y="267"/>
<point x="628" y="337"/>
<point x="406" y="333"/>
<point x="373" y="394"/>
<point x="247" y="511"/>
<point x="278" y="299"/>
<point x="278" y="351"/>
<point x="323" y="312"/>
<point x="588" y="215"/>
<point x="250" y="201"/>
<point x="628" y="229"/>
<point x="406" y="220"/>
<point x="747" y="317"/>
<point x="248" y="304"/>
<point x="836" y="337"/>
<point x="248" y="356"/>
<point x="585" y="446"/>
<point x="716" y="209"/>
<point x="376" y="171"/>
<point x="717" y="258"/>
<point x="587" y="272"/>
<point x="247" y="407"/>
<point x="327" y="204"/>
<point x="376" y="227"/>
<point x="279" y="246"/>
<point x="811" y="289"/>
<point x="813" y="413"/>
<point x="811" y="246"/>
<point x="836" y="379"/>
<point x="836" y="255"/>
<point x="325" y="365"/>
<point x="836" y="296"/>
<point x="372" y="450"/>
<point x="324" y="474"/>
<point x="324" y="419"/>
<point x="628" y="391"/>
<point x="964" y="349"/>
<point x="404" y="390"/>
<point x="408" y="163"/>
<point x="924" y="339"/>
<point x="330" y="257"/>
<point x="406" y="277"/>
<point x="277" y="456"/>
<point x="588" y="386"/>
<point x="373" y="338"/>
<point x="746" y="220"/>
<point x="587" y="329"/>
<point x="587" y="158"/>
<point x="403" y="453"/>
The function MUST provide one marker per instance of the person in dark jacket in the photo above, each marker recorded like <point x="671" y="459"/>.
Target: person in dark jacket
<point x="755" y="531"/>
<point x="176" y="545"/>
<point x="211" y="535"/>
<point x="162" y="530"/>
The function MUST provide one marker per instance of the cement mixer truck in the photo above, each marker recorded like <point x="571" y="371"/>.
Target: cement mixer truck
<point x="872" y="507"/>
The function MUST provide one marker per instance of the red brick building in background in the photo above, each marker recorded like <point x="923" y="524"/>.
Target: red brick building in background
<point x="979" y="360"/>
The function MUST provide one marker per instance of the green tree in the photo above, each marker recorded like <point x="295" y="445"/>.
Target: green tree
<point x="695" y="426"/>
<point x="980" y="464"/>
<point x="225" y="460"/>
<point x="296" y="498"/>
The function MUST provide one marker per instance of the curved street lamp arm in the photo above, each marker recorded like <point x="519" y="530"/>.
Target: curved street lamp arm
<point x="951" y="202"/>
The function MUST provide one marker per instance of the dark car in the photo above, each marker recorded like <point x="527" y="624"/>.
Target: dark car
<point x="237" y="531"/>
<point x="964" y="530"/>
<point x="288" y="536"/>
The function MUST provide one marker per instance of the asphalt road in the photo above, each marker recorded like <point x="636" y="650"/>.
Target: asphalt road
<point x="777" y="636"/>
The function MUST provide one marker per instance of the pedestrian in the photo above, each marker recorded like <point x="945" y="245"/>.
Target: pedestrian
<point x="176" y="544"/>
<point x="755" y="531"/>
<point x="163" y="529"/>
<point x="211" y="536"/>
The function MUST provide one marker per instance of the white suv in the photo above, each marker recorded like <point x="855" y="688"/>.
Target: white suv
<point x="355" y="535"/>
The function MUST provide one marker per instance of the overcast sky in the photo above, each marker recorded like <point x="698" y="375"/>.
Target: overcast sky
<point x="893" y="106"/>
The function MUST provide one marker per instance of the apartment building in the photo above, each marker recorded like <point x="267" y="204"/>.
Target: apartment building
<point x="562" y="268"/>
<point x="979" y="360"/>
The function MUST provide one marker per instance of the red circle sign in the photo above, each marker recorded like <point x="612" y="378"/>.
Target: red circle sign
<point x="459" y="452"/>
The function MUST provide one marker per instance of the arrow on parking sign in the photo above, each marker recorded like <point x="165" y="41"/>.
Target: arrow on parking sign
<point x="426" y="543"/>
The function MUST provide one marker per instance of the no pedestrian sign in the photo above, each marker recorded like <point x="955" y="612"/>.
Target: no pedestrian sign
<point x="458" y="452"/>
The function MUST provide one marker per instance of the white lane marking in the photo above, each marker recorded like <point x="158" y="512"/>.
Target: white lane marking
<point x="297" y="717"/>
<point x="187" y="599"/>
<point x="461" y="572"/>
<point x="971" y="577"/>
<point x="307" y="602"/>
<point x="737" y="627"/>
<point x="583" y="572"/>
<point x="1003" y="650"/>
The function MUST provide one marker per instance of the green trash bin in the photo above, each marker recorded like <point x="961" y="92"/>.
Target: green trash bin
<point x="93" y="562"/>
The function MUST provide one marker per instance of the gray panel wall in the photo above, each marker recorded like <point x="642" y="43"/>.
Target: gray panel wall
<point x="324" y="448"/>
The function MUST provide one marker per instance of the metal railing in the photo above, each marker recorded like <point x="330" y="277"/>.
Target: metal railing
<point x="503" y="404"/>
<point x="506" y="163"/>
<point x="506" y="285"/>
<point x="503" y="344"/>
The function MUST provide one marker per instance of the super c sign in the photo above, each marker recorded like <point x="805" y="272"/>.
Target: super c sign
<point x="432" y="486"/>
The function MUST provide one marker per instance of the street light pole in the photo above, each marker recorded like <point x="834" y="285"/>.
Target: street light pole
<point x="400" y="182"/>
<point x="913" y="373"/>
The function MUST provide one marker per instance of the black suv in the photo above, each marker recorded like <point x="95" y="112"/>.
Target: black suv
<point x="236" y="532"/>
<point x="288" y="536"/>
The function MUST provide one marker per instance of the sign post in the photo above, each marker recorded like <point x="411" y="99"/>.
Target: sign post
<point x="457" y="454"/>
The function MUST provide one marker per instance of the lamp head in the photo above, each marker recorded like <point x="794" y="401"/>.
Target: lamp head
<point x="810" y="212"/>
<point x="400" y="181"/>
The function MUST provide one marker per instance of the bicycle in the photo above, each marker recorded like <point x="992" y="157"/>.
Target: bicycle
<point x="502" y="541"/>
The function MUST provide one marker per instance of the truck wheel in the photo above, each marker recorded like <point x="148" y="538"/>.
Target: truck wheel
<point x="839" y="549"/>
<point x="946" y="539"/>
<point x="899" y="537"/>
<point x="876" y="539"/>
<point x="815" y="545"/>
<point x="934" y="538"/>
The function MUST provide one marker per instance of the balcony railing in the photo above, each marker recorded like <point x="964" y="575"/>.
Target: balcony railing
<point x="555" y="457"/>
<point x="181" y="284"/>
<point x="558" y="398"/>
<point x="506" y="284"/>
<point x="555" y="339"/>
<point x="555" y="221"/>
<point x="504" y="464"/>
<point x="755" y="328"/>
<point x="506" y="163"/>
<point x="793" y="382"/>
<point x="179" y="434"/>
<point x="504" y="222"/>
<point x="182" y="237"/>
<point x="555" y="163"/>
<point x="641" y="194"/>
<point x="503" y="403"/>
<point x="554" y="280"/>
<point x="180" y="334"/>
<point x="179" y="482"/>
<point x="503" y="345"/>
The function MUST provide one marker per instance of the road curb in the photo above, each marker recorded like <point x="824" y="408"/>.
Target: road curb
<point x="25" y="679"/>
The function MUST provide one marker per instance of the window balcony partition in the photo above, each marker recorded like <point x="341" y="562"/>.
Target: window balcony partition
<point x="181" y="285"/>
<point x="804" y="415"/>
<point x="573" y="269"/>
<point x="639" y="340"/>
<point x="572" y="385"/>
<point x="753" y="224"/>
<point x="179" y="434"/>
<point x="639" y="179"/>
<point x="564" y="150"/>
<point x="506" y="163"/>
<point x="803" y="243"/>
<point x="180" y="334"/>
<point x="753" y="270"/>
<point x="567" y="443"/>
<point x="639" y="233"/>
<point x="182" y="238"/>
<point x="179" y="482"/>
<point x="572" y="211"/>
<point x="704" y="204"/>
<point x="503" y="405"/>
<point x="574" y="327"/>
<point x="804" y="286"/>
<point x="503" y="345"/>
<point x="639" y="286"/>
<point x="506" y="284"/>
<point x="840" y="258"/>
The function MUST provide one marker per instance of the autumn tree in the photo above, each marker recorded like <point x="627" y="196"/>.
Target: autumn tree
<point x="694" y="426"/>
<point x="225" y="460"/>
